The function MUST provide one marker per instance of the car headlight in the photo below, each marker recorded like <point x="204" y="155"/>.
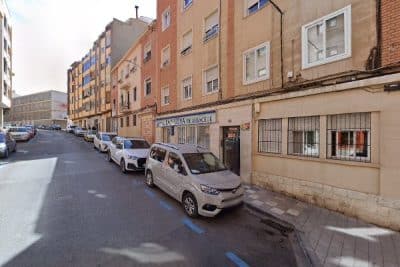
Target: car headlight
<point x="209" y="190"/>
<point x="132" y="157"/>
<point x="3" y="146"/>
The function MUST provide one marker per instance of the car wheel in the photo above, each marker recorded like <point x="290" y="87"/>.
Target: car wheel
<point x="109" y="156"/>
<point x="190" y="205"/>
<point x="149" y="179"/>
<point x="122" y="166"/>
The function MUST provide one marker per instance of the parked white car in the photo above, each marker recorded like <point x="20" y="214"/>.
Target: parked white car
<point x="19" y="133"/>
<point x="195" y="177"/>
<point x="129" y="153"/>
<point x="102" y="141"/>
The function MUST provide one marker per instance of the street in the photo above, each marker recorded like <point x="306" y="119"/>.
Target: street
<point x="63" y="204"/>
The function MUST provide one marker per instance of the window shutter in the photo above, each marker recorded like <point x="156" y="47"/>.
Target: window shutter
<point x="251" y="3"/>
<point x="211" y="20"/>
<point x="212" y="74"/>
<point x="187" y="39"/>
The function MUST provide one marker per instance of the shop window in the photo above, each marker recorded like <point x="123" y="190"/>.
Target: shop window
<point x="256" y="64"/>
<point x="270" y="136"/>
<point x="197" y="135"/>
<point x="303" y="136"/>
<point x="349" y="137"/>
<point x="187" y="88"/>
<point x="211" y="24"/>
<point x="167" y="132"/>
<point x="211" y="84"/>
<point x="327" y="39"/>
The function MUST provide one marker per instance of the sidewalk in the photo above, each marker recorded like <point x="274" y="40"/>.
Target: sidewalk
<point x="335" y="239"/>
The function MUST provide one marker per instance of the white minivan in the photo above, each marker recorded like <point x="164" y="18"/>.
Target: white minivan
<point x="193" y="176"/>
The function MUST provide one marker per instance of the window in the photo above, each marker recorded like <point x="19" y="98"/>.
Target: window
<point x="270" y="136"/>
<point x="303" y="136"/>
<point x="253" y="6"/>
<point x="127" y="121"/>
<point x="187" y="88"/>
<point x="211" y="26"/>
<point x="121" y="122"/>
<point x="187" y="3"/>
<point x="5" y="66"/>
<point x="349" y="137"/>
<point x="134" y="94"/>
<point x="256" y="64"/>
<point x="147" y="53"/>
<point x="134" y="120"/>
<point x="175" y="163"/>
<point x="192" y="134"/>
<point x="211" y="80"/>
<point x="158" y="154"/>
<point x="165" y="57"/>
<point x="147" y="87"/>
<point x="5" y="44"/>
<point x="327" y="39"/>
<point x="166" y="19"/>
<point x="165" y="96"/>
<point x="187" y="41"/>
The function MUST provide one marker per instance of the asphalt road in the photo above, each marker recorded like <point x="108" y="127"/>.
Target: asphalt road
<point x="63" y="204"/>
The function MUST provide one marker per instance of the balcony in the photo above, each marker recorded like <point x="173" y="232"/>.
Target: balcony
<point x="211" y="33"/>
<point x="125" y="106"/>
<point x="186" y="50"/>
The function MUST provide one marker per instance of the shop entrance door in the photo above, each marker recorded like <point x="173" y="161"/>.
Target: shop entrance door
<point x="231" y="148"/>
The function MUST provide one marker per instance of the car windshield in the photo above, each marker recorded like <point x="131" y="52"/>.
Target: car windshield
<point x="92" y="132"/>
<point x="18" y="130"/>
<point x="107" y="137"/>
<point x="199" y="163"/>
<point x="136" y="144"/>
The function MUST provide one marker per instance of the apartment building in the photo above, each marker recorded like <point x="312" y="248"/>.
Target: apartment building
<point x="6" y="55"/>
<point x="89" y="79"/>
<point x="44" y="108"/>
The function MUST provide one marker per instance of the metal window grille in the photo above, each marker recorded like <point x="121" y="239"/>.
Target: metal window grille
<point x="349" y="137"/>
<point x="270" y="136"/>
<point x="303" y="136"/>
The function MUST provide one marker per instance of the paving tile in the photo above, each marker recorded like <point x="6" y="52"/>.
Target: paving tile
<point x="293" y="212"/>
<point x="271" y="203"/>
<point x="254" y="196"/>
<point x="257" y="202"/>
<point x="277" y="211"/>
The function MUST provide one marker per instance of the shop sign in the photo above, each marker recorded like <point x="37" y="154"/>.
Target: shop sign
<point x="198" y="118"/>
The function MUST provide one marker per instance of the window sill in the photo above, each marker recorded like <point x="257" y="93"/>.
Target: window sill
<point x="210" y="93"/>
<point x="324" y="62"/>
<point x="255" y="12"/>
<point x="255" y="81"/>
<point x="212" y="37"/>
<point x="321" y="160"/>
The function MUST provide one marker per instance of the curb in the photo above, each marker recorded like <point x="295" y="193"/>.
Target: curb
<point x="304" y="254"/>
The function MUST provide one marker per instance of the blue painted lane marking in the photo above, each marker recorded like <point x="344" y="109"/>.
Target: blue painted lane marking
<point x="236" y="260"/>
<point x="149" y="193"/>
<point x="192" y="226"/>
<point x="165" y="205"/>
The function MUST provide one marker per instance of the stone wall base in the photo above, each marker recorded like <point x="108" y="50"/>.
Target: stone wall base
<point x="368" y="207"/>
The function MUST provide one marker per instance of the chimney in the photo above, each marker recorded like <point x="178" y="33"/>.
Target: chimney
<point x="137" y="11"/>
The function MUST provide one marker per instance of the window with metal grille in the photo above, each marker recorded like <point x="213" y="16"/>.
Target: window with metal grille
<point x="349" y="137"/>
<point x="303" y="136"/>
<point x="270" y="136"/>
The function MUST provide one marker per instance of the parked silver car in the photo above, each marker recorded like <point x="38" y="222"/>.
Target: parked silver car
<point x="7" y="144"/>
<point x="195" y="177"/>
<point x="20" y="133"/>
<point x="102" y="141"/>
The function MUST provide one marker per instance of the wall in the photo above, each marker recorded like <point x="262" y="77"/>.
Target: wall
<point x="366" y="190"/>
<point x="390" y="32"/>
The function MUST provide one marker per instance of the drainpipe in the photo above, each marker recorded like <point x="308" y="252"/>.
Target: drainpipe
<point x="219" y="52"/>
<point x="281" y="35"/>
<point x="379" y="32"/>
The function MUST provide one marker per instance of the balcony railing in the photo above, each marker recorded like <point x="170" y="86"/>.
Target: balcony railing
<point x="212" y="32"/>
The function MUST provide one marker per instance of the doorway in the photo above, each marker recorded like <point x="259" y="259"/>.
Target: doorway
<point x="231" y="148"/>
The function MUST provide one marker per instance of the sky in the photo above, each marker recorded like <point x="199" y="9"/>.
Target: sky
<point x="49" y="35"/>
